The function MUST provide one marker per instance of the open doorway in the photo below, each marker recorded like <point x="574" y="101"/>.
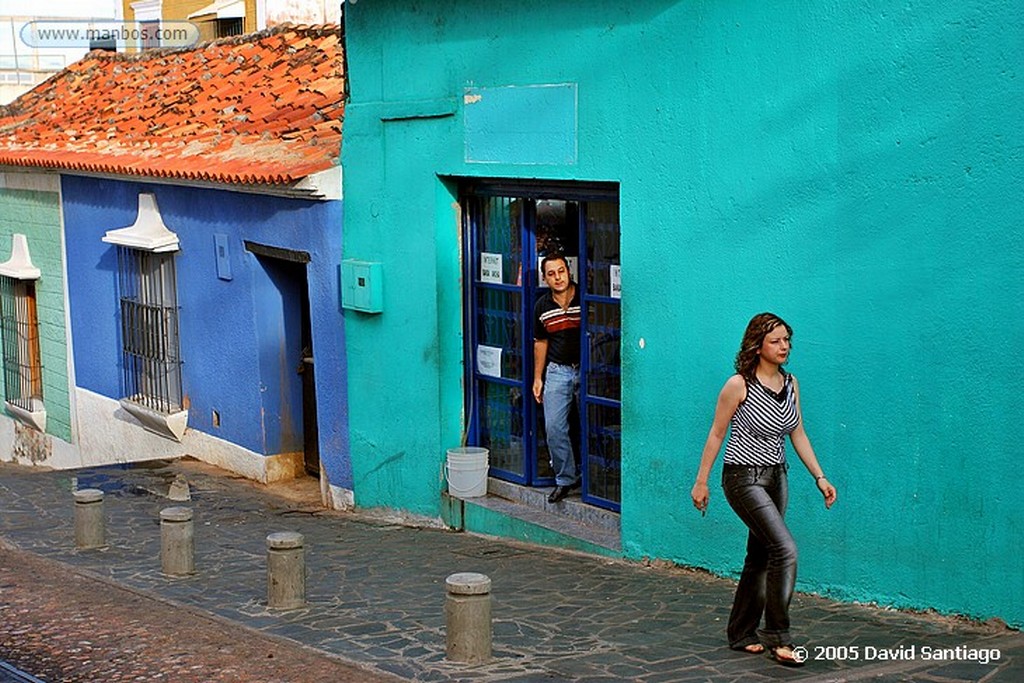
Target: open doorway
<point x="508" y="229"/>
<point x="286" y="354"/>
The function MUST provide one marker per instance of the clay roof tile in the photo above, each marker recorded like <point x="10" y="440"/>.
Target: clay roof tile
<point x="263" y="108"/>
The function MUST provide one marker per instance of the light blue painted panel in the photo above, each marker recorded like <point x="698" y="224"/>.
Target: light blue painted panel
<point x="533" y="124"/>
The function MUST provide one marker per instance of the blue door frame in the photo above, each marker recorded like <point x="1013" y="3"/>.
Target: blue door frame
<point x="500" y="222"/>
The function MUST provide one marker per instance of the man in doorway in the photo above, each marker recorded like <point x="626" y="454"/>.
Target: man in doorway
<point x="556" y="349"/>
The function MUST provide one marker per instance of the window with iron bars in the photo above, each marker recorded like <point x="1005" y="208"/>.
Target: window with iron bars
<point x="19" y="325"/>
<point x="230" y="27"/>
<point x="149" y="329"/>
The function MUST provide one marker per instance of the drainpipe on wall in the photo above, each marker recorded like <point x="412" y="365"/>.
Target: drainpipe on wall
<point x="17" y="63"/>
<point x="344" y="49"/>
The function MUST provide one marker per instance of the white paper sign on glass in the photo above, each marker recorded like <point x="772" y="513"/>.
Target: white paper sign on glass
<point x="616" y="282"/>
<point x="488" y="360"/>
<point x="490" y="267"/>
<point x="573" y="270"/>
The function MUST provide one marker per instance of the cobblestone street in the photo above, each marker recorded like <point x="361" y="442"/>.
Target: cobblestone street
<point x="375" y="598"/>
<point x="64" y="627"/>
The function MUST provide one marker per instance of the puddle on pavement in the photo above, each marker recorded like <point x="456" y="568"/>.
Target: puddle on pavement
<point x="114" y="480"/>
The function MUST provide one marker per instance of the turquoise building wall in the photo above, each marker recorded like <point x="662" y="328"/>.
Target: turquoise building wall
<point x="853" y="167"/>
<point x="36" y="214"/>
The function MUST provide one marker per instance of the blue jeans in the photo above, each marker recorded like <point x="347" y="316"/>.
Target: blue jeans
<point x="759" y="496"/>
<point x="561" y="389"/>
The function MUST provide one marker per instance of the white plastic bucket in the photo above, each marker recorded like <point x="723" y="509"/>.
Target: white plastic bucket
<point x="466" y="471"/>
<point x="467" y="454"/>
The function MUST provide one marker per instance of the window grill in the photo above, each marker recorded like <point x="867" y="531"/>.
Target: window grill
<point x="19" y="325"/>
<point x="234" y="26"/>
<point x="149" y="329"/>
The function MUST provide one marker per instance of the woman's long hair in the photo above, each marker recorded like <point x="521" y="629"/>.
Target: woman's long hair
<point x="757" y="329"/>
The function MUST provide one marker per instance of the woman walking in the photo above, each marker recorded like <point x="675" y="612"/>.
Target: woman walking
<point x="758" y="407"/>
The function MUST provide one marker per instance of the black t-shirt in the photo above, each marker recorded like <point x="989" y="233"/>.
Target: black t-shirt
<point x="561" y="328"/>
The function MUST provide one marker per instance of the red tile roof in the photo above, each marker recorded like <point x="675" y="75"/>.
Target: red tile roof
<point x="262" y="108"/>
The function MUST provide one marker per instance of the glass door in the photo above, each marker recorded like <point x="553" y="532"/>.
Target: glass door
<point x="498" y="411"/>
<point x="601" y="385"/>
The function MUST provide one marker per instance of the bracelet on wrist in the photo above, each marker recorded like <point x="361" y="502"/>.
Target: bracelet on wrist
<point x="819" y="478"/>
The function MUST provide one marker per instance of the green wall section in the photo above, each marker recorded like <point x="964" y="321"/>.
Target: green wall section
<point x="36" y="214"/>
<point x="853" y="167"/>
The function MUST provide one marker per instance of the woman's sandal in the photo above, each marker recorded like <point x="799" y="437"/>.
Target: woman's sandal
<point x="786" y="655"/>
<point x="749" y="648"/>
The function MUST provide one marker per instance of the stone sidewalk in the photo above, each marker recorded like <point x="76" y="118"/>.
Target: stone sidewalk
<point x="376" y="592"/>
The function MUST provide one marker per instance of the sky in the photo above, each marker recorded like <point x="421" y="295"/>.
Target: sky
<point x="60" y="8"/>
<point x="13" y="16"/>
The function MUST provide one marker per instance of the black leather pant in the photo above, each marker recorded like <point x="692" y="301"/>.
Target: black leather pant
<point x="759" y="496"/>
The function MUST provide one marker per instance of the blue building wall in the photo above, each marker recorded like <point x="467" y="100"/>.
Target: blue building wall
<point x="239" y="340"/>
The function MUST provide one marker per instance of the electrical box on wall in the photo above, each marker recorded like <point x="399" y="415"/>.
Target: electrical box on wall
<point x="220" y="243"/>
<point x="361" y="286"/>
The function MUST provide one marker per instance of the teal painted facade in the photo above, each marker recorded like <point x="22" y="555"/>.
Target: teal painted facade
<point x="36" y="214"/>
<point x="855" y="168"/>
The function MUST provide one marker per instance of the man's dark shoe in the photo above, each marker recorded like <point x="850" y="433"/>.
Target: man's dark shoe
<point x="558" y="494"/>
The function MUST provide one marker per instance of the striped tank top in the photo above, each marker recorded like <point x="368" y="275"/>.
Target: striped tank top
<point x="762" y="420"/>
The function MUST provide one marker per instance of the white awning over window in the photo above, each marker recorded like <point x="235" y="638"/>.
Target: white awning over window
<point x="221" y="9"/>
<point x="148" y="233"/>
<point x="19" y="266"/>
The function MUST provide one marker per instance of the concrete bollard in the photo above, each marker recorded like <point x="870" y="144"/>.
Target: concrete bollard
<point x="467" y="612"/>
<point x="90" y="528"/>
<point x="177" y="542"/>
<point x="286" y="570"/>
